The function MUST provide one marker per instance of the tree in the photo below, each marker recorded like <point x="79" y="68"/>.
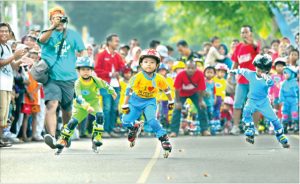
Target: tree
<point x="198" y="21"/>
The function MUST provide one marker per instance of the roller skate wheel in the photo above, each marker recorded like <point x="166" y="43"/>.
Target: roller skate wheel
<point x="132" y="144"/>
<point x="166" y="154"/>
<point x="286" y="145"/>
<point x="250" y="140"/>
<point x="58" y="152"/>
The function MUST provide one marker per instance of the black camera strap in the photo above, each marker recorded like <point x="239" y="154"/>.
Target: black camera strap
<point x="60" y="47"/>
<point x="190" y="79"/>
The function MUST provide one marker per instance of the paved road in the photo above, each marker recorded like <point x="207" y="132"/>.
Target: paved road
<point x="220" y="159"/>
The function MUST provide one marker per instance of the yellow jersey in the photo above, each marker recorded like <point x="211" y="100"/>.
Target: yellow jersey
<point x="220" y="85"/>
<point x="143" y="86"/>
<point x="162" y="96"/>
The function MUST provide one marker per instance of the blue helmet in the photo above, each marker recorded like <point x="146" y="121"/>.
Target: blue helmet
<point x="163" y="66"/>
<point x="84" y="62"/>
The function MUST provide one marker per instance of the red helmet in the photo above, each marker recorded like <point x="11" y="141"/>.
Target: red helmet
<point x="152" y="53"/>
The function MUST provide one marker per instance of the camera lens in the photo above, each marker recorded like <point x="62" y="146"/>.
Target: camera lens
<point x="64" y="19"/>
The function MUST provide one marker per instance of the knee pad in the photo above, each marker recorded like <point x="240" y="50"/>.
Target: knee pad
<point x="72" y="123"/>
<point x="285" y="117"/>
<point x="99" y="118"/>
<point x="295" y="115"/>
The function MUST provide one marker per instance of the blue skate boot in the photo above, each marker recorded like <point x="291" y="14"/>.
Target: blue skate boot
<point x="97" y="137"/>
<point x="282" y="138"/>
<point x="249" y="132"/>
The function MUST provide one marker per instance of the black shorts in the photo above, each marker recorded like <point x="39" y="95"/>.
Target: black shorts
<point x="62" y="91"/>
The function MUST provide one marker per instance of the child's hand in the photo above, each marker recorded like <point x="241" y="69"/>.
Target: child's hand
<point x="114" y="95"/>
<point x="90" y="109"/>
<point x="171" y="105"/>
<point x="125" y="109"/>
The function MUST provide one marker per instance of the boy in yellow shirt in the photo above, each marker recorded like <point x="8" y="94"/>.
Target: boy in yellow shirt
<point x="141" y="98"/>
<point x="220" y="84"/>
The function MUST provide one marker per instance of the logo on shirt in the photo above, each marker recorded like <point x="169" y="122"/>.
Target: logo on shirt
<point x="106" y="59"/>
<point x="218" y="85"/>
<point x="85" y="92"/>
<point x="244" y="58"/>
<point x="188" y="87"/>
<point x="6" y="71"/>
<point x="65" y="48"/>
<point x="150" y="88"/>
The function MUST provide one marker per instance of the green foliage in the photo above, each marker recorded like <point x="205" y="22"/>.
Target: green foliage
<point x="198" y="21"/>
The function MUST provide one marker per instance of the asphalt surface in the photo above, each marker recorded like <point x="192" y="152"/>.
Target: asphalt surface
<point x="219" y="159"/>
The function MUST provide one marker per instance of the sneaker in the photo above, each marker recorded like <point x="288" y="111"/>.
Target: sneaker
<point x="37" y="138"/>
<point x="106" y="135"/>
<point x="11" y="137"/>
<point x="50" y="141"/>
<point x="4" y="144"/>
<point x="235" y="130"/>
<point x="114" y="135"/>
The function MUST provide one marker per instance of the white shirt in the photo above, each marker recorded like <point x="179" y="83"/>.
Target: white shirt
<point x="6" y="72"/>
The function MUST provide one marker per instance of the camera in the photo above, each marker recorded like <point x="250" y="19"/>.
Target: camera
<point x="63" y="19"/>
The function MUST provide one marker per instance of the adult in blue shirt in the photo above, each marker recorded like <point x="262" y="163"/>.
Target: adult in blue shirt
<point x="59" y="90"/>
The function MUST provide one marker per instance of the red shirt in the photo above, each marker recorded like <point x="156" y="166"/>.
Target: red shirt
<point x="186" y="88"/>
<point x="104" y="63"/>
<point x="244" y="55"/>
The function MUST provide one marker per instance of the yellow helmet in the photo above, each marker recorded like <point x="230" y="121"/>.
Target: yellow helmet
<point x="178" y="65"/>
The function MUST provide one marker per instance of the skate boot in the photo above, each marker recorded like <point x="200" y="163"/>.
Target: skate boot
<point x="64" y="140"/>
<point x="166" y="145"/>
<point x="134" y="132"/>
<point x="213" y="128"/>
<point x="285" y="127"/>
<point x="296" y="127"/>
<point x="282" y="139"/>
<point x="97" y="137"/>
<point x="249" y="132"/>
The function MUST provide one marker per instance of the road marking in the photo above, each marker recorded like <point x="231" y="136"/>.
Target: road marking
<point x="145" y="174"/>
<point x="295" y="136"/>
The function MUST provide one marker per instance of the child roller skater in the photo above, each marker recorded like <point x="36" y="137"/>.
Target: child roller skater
<point x="140" y="98"/>
<point x="289" y="97"/>
<point x="259" y="83"/>
<point x="86" y="102"/>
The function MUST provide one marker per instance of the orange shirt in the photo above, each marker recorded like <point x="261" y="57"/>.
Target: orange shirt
<point x="32" y="89"/>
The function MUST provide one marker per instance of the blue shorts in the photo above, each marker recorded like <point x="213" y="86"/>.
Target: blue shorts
<point x="241" y="92"/>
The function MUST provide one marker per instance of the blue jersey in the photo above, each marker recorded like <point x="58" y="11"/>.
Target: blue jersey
<point x="258" y="87"/>
<point x="289" y="89"/>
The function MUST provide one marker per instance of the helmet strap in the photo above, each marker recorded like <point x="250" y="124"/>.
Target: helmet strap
<point x="86" y="79"/>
